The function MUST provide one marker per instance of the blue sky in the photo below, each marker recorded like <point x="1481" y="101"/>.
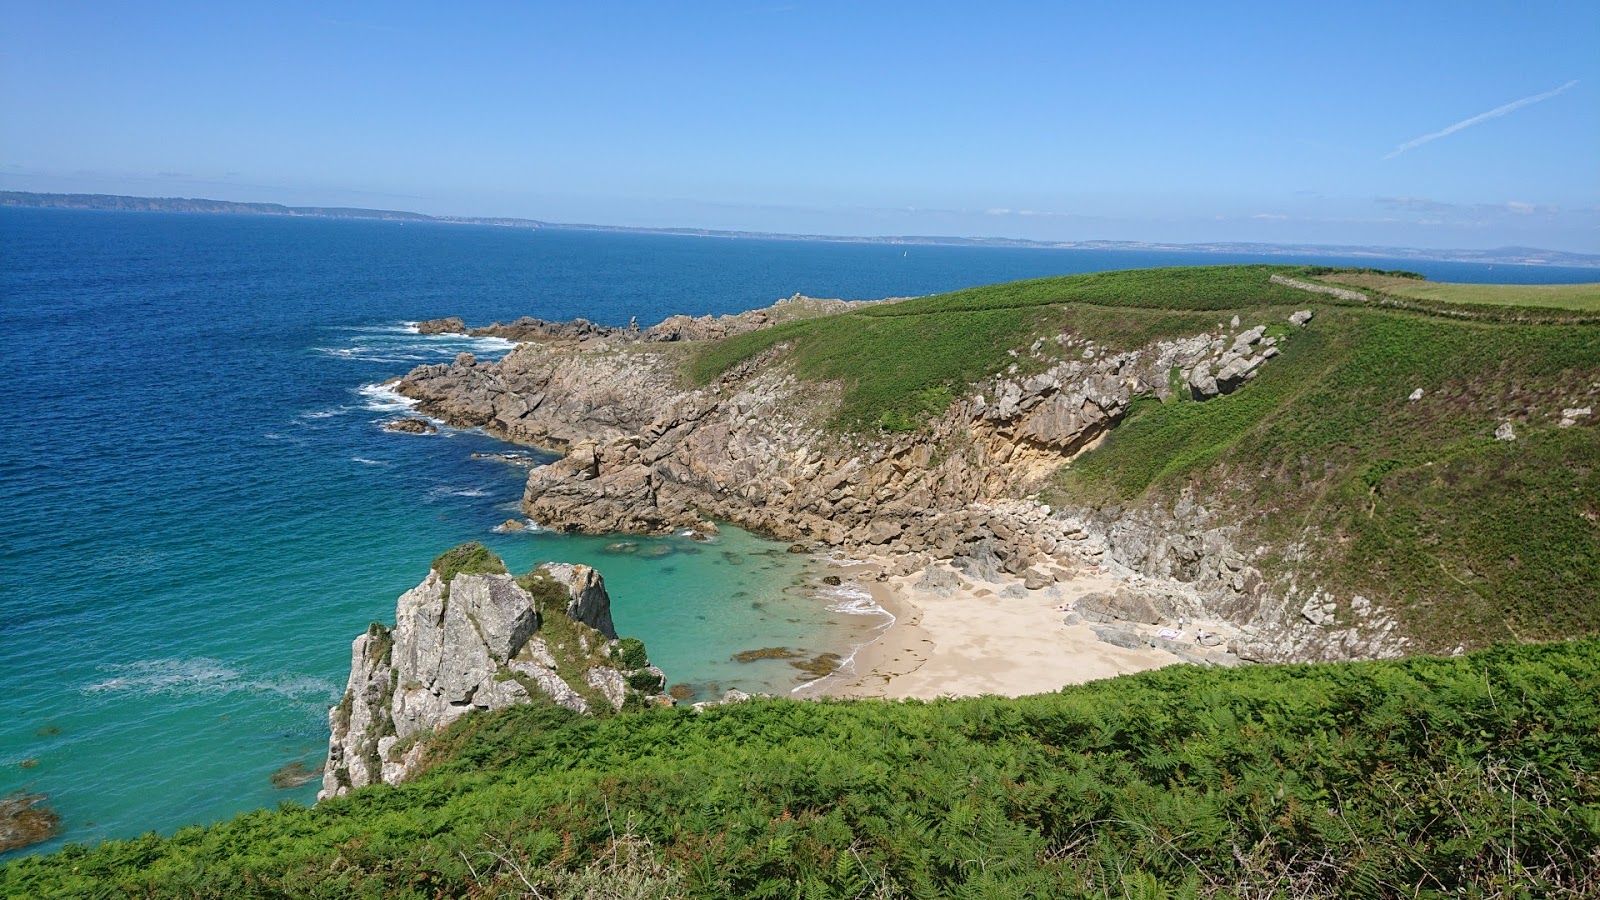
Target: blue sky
<point x="1157" y="122"/>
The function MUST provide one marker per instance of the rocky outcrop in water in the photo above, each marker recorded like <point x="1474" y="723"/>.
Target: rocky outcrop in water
<point x="480" y="642"/>
<point x="447" y="325"/>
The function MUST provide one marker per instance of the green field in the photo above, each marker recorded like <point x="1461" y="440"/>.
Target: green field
<point x="1472" y="776"/>
<point x="1583" y="297"/>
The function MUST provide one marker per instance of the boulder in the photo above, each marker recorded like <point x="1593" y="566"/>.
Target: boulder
<point x="1121" y="636"/>
<point x="939" y="581"/>
<point x="447" y="325"/>
<point x="1122" y="605"/>
<point x="1300" y="318"/>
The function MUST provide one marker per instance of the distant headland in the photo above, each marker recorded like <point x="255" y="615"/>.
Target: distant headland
<point x="1526" y="256"/>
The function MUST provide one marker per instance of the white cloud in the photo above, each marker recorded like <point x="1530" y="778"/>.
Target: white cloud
<point x="1495" y="113"/>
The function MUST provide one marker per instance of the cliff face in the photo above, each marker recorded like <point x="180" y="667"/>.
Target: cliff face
<point x="642" y="452"/>
<point x="480" y="642"/>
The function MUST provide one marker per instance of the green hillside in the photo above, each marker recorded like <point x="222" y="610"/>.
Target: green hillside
<point x="1411" y="502"/>
<point x="1471" y="776"/>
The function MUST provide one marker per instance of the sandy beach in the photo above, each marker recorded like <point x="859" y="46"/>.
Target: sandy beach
<point x="974" y="641"/>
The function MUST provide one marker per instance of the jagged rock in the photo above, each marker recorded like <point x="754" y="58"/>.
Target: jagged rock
<point x="1034" y="580"/>
<point x="939" y="581"/>
<point x="1300" y="317"/>
<point x="589" y="603"/>
<point x="611" y="683"/>
<point x="979" y="561"/>
<point x="470" y="645"/>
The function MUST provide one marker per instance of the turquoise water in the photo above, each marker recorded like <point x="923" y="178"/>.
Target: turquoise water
<point x="200" y="511"/>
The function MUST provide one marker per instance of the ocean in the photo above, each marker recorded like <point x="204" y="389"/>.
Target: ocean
<point x="200" y="510"/>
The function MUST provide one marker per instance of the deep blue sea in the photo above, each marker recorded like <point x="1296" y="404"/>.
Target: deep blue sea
<point x="200" y="512"/>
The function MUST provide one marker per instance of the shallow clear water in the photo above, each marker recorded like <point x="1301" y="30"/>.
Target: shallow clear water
<point x="199" y="511"/>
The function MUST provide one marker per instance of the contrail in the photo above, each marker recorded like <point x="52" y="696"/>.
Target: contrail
<point x="1495" y="113"/>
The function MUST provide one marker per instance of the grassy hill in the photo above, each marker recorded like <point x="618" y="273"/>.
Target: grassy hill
<point x="1411" y="502"/>
<point x="1470" y="776"/>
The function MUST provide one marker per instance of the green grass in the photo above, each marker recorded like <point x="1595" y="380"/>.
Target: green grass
<point x="471" y="558"/>
<point x="902" y="363"/>
<point x="1413" y="503"/>
<point x="1471" y="776"/>
<point x="1582" y="297"/>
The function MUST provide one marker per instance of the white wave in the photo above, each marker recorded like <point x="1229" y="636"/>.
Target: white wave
<point x="394" y="328"/>
<point x="384" y="398"/>
<point x="492" y="344"/>
<point x="369" y="462"/>
<point x="851" y="599"/>
<point x="325" y="413"/>
<point x="203" y="676"/>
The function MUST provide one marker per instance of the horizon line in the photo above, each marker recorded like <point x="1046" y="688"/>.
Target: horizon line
<point x="253" y="207"/>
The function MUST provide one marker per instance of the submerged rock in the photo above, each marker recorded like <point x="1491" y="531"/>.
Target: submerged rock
<point x="25" y="820"/>
<point x="411" y="425"/>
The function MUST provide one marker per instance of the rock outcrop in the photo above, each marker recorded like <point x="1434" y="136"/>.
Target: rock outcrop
<point x="481" y="642"/>
<point x="641" y="452"/>
<point x="671" y="329"/>
<point x="447" y="325"/>
<point x="410" y="425"/>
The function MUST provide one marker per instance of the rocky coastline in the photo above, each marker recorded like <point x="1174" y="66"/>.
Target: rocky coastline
<point x="643" y="451"/>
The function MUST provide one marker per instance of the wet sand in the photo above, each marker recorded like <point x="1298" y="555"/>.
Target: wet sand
<point x="976" y="642"/>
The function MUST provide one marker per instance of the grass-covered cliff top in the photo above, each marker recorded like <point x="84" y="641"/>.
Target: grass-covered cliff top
<point x="898" y="361"/>
<point x="1472" y="776"/>
<point x="1325" y="459"/>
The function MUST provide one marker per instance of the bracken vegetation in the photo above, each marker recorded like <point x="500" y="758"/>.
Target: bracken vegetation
<point x="1471" y="776"/>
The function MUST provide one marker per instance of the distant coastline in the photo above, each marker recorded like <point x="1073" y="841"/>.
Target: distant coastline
<point x="1523" y="256"/>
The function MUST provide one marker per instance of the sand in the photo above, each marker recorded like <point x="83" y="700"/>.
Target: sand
<point x="975" y="642"/>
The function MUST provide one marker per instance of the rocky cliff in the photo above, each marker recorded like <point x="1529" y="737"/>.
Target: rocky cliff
<point x="643" y="451"/>
<point x="478" y="641"/>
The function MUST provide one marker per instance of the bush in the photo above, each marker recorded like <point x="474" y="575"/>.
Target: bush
<point x="645" y="681"/>
<point x="1465" y="776"/>
<point x="631" y="652"/>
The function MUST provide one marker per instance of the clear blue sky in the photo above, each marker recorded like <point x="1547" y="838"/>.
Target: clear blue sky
<point x="1160" y="122"/>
